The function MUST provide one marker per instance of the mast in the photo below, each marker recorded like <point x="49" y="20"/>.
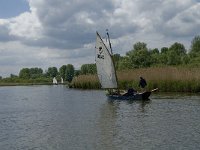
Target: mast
<point x="109" y="41"/>
<point x="112" y="59"/>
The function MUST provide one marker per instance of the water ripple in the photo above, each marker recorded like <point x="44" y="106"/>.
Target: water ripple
<point x="54" y="117"/>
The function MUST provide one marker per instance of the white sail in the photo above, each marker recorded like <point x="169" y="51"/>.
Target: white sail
<point x="105" y="67"/>
<point x="55" y="81"/>
<point x="62" y="80"/>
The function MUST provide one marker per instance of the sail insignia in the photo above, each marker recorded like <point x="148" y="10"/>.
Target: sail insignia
<point x="105" y="65"/>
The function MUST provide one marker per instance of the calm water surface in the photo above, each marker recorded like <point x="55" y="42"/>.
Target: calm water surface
<point x="58" y="118"/>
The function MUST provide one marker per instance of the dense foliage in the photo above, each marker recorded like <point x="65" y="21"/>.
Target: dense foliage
<point x="69" y="72"/>
<point x="31" y="73"/>
<point x="52" y="72"/>
<point x="141" y="57"/>
<point x="88" y="69"/>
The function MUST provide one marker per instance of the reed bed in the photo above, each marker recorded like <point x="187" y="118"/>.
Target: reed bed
<point x="161" y="73"/>
<point x="86" y="82"/>
<point x="167" y="79"/>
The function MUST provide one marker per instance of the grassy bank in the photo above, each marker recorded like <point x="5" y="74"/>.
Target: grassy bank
<point x="20" y="82"/>
<point x="167" y="79"/>
<point x="23" y="84"/>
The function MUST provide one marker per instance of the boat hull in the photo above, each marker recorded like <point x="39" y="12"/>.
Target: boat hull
<point x="136" y="96"/>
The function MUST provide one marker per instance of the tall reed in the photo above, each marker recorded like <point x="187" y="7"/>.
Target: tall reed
<point x="86" y="82"/>
<point x="167" y="79"/>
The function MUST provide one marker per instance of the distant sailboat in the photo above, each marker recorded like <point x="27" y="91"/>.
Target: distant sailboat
<point x="107" y="73"/>
<point x="61" y="80"/>
<point x="55" y="81"/>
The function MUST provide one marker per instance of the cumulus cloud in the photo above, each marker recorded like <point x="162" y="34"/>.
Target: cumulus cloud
<point x="4" y="31"/>
<point x="71" y="24"/>
<point x="185" y="23"/>
<point x="57" y="32"/>
<point x="25" y="26"/>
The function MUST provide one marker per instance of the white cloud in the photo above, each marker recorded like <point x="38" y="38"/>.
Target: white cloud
<point x="25" y="25"/>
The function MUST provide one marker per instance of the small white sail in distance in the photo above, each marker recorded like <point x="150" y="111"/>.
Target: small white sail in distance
<point x="105" y="66"/>
<point x="55" y="81"/>
<point x="62" y="80"/>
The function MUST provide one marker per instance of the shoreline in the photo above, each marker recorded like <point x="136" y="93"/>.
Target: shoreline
<point x="23" y="84"/>
<point x="96" y="88"/>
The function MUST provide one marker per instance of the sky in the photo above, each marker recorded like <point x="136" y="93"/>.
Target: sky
<point x="48" y="33"/>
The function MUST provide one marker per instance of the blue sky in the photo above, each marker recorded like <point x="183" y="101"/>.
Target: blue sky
<point x="11" y="8"/>
<point x="46" y="33"/>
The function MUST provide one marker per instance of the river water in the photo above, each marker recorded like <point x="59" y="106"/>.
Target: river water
<point x="58" y="118"/>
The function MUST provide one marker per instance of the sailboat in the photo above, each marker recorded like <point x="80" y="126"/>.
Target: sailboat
<point x="107" y="73"/>
<point x="61" y="80"/>
<point x="55" y="81"/>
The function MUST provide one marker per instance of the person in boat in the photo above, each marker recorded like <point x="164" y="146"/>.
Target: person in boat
<point x="142" y="83"/>
<point x="130" y="92"/>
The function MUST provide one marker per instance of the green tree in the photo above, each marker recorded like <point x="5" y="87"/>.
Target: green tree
<point x="176" y="53"/>
<point x="173" y="58"/>
<point x="154" y="54"/>
<point x="116" y="59"/>
<point x="139" y="56"/>
<point x="36" y="73"/>
<point x="154" y="51"/>
<point x="195" y="44"/>
<point x="164" y="50"/>
<point x="178" y="48"/>
<point x="69" y="72"/>
<point x="88" y="69"/>
<point x="13" y="76"/>
<point x="194" y="58"/>
<point x="124" y="63"/>
<point x="141" y="59"/>
<point x="62" y="71"/>
<point x="163" y="59"/>
<point x="77" y="72"/>
<point x="194" y="53"/>
<point x="140" y="46"/>
<point x="186" y="59"/>
<point x="24" y="73"/>
<point x="52" y="72"/>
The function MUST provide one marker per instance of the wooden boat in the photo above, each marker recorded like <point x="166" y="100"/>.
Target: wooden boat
<point x="107" y="73"/>
<point x="135" y="96"/>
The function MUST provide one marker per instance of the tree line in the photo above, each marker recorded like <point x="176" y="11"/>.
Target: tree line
<point x="67" y="72"/>
<point x="139" y="57"/>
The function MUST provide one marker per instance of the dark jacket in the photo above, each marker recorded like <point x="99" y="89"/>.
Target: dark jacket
<point x="142" y="82"/>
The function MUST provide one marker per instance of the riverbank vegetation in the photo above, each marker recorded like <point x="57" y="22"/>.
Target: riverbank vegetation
<point x="167" y="79"/>
<point x="15" y="81"/>
<point x="171" y="69"/>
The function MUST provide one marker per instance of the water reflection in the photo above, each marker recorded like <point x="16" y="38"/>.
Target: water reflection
<point x="142" y="104"/>
<point x="115" y="119"/>
<point x="107" y="124"/>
